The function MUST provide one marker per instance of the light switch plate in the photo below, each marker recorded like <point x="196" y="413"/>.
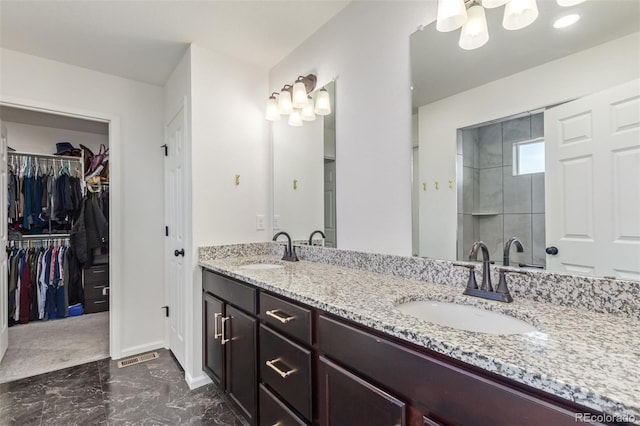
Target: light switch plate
<point x="260" y="222"/>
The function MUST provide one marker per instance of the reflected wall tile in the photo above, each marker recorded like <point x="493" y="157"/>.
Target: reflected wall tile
<point x="469" y="143"/>
<point x="515" y="130"/>
<point x="537" y="193"/>
<point x="490" y="231"/>
<point x="517" y="192"/>
<point x="489" y="146"/>
<point x="469" y="236"/>
<point x="490" y="190"/>
<point x="537" y="125"/>
<point x="519" y="225"/>
<point x="467" y="189"/>
<point x="539" y="239"/>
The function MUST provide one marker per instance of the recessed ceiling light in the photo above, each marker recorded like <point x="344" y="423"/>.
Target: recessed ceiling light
<point x="566" y="21"/>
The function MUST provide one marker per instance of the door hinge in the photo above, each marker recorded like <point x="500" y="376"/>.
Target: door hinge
<point x="166" y="149"/>
<point x="166" y="231"/>
<point x="166" y="311"/>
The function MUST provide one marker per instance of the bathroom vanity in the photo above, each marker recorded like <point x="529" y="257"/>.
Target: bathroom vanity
<point x="297" y="343"/>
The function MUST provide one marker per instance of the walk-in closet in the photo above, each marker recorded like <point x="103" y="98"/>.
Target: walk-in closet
<point x="55" y="174"/>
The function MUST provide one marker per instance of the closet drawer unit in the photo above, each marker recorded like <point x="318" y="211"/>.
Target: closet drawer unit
<point x="286" y="368"/>
<point x="286" y="317"/>
<point x="240" y="295"/>
<point x="92" y="306"/>
<point x="98" y="290"/>
<point x="97" y="274"/>
<point x="274" y="412"/>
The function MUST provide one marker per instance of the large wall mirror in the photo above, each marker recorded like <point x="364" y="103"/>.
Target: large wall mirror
<point x="534" y="135"/>
<point x="304" y="176"/>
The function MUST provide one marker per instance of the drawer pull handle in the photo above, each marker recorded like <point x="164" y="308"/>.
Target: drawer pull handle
<point x="215" y="325"/>
<point x="99" y="271"/>
<point x="283" y="374"/>
<point x="275" y="314"/>
<point x="100" y="301"/>
<point x="99" y="286"/>
<point x="223" y="339"/>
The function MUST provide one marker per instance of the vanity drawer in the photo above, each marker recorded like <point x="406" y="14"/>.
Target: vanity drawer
<point x="286" y="368"/>
<point x="274" y="412"/>
<point x="97" y="290"/>
<point x="286" y="317"/>
<point x="447" y="391"/>
<point x="98" y="273"/>
<point x="92" y="306"/>
<point x="240" y="295"/>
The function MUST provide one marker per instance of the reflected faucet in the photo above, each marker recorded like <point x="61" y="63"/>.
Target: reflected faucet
<point x="486" y="273"/>
<point x="289" y="251"/>
<point x="314" y="233"/>
<point x="507" y="249"/>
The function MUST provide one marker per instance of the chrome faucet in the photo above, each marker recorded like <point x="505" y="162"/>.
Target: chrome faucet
<point x="507" y="249"/>
<point x="486" y="261"/>
<point x="314" y="233"/>
<point x="289" y="251"/>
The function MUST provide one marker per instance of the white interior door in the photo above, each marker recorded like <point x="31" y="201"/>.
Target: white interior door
<point x="176" y="243"/>
<point x="4" y="305"/>
<point x="330" y="203"/>
<point x="592" y="183"/>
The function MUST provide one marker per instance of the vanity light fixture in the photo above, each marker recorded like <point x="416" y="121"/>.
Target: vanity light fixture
<point x="284" y="101"/>
<point x="470" y="15"/>
<point x="308" y="112"/>
<point x="566" y="21"/>
<point x="295" y="118"/>
<point x="296" y="102"/>
<point x="323" y="103"/>
<point x="273" y="111"/>
<point x="569" y="3"/>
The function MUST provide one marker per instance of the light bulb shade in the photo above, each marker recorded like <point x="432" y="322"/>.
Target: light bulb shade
<point x="295" y="118"/>
<point x="519" y="14"/>
<point x="323" y="103"/>
<point x="452" y="14"/>
<point x="308" y="113"/>
<point x="284" y="102"/>
<point x="273" y="112"/>
<point x="299" y="97"/>
<point x="490" y="4"/>
<point x="569" y="3"/>
<point x="474" y="32"/>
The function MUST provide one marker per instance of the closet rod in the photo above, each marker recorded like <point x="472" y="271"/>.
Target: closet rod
<point x="43" y="237"/>
<point x="31" y="154"/>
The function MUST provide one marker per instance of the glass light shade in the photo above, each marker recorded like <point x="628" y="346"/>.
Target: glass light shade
<point x="273" y="112"/>
<point x="519" y="14"/>
<point x="569" y="3"/>
<point x="295" y="118"/>
<point x="323" y="103"/>
<point x="284" y="102"/>
<point x="566" y="21"/>
<point x="299" y="97"/>
<point x="490" y="4"/>
<point x="308" y="113"/>
<point x="452" y="14"/>
<point x="474" y="33"/>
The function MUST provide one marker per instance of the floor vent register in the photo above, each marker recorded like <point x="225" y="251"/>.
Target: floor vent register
<point x="138" y="359"/>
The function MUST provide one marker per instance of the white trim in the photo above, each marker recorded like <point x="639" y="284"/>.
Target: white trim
<point x="135" y="350"/>
<point x="115" y="205"/>
<point x="196" y="382"/>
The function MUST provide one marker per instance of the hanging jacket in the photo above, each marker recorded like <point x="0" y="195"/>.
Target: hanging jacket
<point x="96" y="224"/>
<point x="78" y="239"/>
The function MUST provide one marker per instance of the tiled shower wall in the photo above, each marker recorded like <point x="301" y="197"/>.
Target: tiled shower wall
<point x="495" y="205"/>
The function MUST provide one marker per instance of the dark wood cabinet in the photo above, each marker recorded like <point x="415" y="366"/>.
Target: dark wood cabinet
<point x="239" y="334"/>
<point x="212" y="350"/>
<point x="346" y="399"/>
<point x="95" y="281"/>
<point x="274" y="412"/>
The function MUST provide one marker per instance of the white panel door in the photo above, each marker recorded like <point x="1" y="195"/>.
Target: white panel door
<point x="592" y="183"/>
<point x="175" y="218"/>
<point x="4" y="303"/>
<point x="330" y="203"/>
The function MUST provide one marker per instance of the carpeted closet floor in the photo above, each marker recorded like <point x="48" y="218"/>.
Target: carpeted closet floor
<point x="44" y="346"/>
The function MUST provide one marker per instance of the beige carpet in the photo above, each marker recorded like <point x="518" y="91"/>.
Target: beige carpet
<point x="44" y="346"/>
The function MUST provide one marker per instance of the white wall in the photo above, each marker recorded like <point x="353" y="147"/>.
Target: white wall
<point x="298" y="154"/>
<point x="42" y="139"/>
<point x="229" y="137"/>
<point x="366" y="46"/>
<point x="590" y="71"/>
<point x="139" y="108"/>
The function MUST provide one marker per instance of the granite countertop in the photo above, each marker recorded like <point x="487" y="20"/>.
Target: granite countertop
<point x="589" y="358"/>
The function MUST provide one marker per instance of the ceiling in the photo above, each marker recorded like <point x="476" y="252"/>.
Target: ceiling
<point x="145" y="40"/>
<point x="440" y="68"/>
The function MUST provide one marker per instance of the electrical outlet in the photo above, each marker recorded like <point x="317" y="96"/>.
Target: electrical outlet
<point x="276" y="222"/>
<point x="260" y="222"/>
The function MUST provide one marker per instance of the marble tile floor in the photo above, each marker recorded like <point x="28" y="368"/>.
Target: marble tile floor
<point x="99" y="393"/>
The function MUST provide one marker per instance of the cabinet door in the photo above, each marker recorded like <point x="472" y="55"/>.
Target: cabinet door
<point x="212" y="349"/>
<point x="240" y="332"/>
<point x="347" y="400"/>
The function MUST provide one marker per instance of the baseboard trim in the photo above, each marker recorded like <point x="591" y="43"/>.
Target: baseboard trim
<point x="196" y="382"/>
<point x="135" y="350"/>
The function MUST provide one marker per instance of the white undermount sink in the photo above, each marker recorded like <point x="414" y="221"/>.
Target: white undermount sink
<point x="261" y="266"/>
<point x="465" y="317"/>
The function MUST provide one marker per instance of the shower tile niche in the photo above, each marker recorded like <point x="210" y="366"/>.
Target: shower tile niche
<point x="496" y="204"/>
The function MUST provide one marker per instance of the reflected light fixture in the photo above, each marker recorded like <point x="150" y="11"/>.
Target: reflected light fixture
<point x="273" y="111"/>
<point x="569" y="3"/>
<point x="566" y="21"/>
<point x="295" y="118"/>
<point x="308" y="112"/>
<point x="323" y="103"/>
<point x="470" y="15"/>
